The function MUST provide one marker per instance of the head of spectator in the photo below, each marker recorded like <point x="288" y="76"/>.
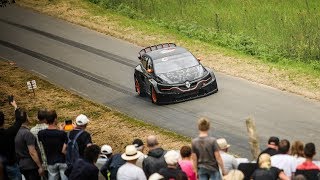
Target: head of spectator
<point x="284" y="146"/>
<point x="91" y="153"/>
<point x="309" y="150"/>
<point x="234" y="175"/>
<point x="223" y="144"/>
<point x="42" y="116"/>
<point x="265" y="161"/>
<point x="82" y="121"/>
<point x="203" y="124"/>
<point x="1" y="119"/>
<point x="299" y="177"/>
<point x="297" y="149"/>
<point x="51" y="117"/>
<point x="273" y="142"/>
<point x="172" y="157"/>
<point x="131" y="154"/>
<point x="185" y="152"/>
<point x="106" y="151"/>
<point x="152" y="142"/>
<point x="138" y="144"/>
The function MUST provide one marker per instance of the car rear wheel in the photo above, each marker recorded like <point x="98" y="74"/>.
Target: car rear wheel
<point x="154" y="96"/>
<point x="139" y="89"/>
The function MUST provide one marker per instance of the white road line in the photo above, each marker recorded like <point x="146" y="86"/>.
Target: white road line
<point x="84" y="94"/>
<point x="39" y="73"/>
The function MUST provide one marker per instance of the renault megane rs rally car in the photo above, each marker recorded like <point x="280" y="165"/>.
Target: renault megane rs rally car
<point x="168" y="73"/>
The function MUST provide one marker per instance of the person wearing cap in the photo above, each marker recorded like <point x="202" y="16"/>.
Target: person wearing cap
<point x="140" y="147"/>
<point x="229" y="161"/>
<point x="129" y="171"/>
<point x="105" y="154"/>
<point x="84" y="140"/>
<point x="266" y="171"/>
<point x="172" y="171"/>
<point x="272" y="147"/>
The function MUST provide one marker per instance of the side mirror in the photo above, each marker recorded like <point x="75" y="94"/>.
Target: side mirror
<point x="150" y="70"/>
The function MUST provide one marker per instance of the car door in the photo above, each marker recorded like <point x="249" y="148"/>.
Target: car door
<point x="147" y="75"/>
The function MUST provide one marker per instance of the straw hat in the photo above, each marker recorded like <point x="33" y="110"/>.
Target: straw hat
<point x="131" y="153"/>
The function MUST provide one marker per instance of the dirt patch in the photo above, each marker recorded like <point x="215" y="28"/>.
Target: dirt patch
<point x="107" y="126"/>
<point x="88" y="15"/>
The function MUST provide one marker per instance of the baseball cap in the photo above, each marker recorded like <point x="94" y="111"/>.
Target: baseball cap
<point x="82" y="120"/>
<point x="106" y="149"/>
<point x="274" y="140"/>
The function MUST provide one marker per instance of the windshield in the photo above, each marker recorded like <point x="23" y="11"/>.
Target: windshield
<point x="174" y="63"/>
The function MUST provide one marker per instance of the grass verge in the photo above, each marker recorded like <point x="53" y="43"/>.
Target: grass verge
<point x="297" y="77"/>
<point x="107" y="126"/>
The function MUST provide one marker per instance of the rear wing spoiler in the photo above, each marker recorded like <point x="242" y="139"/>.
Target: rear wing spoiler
<point x="155" y="47"/>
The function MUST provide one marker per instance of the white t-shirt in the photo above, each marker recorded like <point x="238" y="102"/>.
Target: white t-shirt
<point x="285" y="162"/>
<point x="229" y="161"/>
<point x="130" y="171"/>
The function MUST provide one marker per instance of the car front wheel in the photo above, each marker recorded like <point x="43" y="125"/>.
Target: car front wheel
<point x="139" y="89"/>
<point x="154" y="96"/>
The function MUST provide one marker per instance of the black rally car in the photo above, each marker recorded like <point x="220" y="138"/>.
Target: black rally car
<point x="169" y="73"/>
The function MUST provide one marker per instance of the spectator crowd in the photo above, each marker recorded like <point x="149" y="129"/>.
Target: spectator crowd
<point x="49" y="151"/>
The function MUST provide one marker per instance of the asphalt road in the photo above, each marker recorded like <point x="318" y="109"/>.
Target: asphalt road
<point x="101" y="68"/>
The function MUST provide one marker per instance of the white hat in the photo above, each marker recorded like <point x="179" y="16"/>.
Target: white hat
<point x="222" y="142"/>
<point x="82" y="120"/>
<point x="172" y="157"/>
<point x="131" y="153"/>
<point x="106" y="149"/>
<point x="155" y="176"/>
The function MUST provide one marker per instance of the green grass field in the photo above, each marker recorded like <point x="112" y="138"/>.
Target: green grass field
<point x="272" y="30"/>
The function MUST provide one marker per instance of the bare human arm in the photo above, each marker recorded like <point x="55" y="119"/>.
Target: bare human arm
<point x="64" y="149"/>
<point x="220" y="162"/>
<point x="282" y="176"/>
<point x="34" y="155"/>
<point x="195" y="163"/>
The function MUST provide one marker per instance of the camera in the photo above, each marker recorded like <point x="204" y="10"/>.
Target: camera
<point x="10" y="98"/>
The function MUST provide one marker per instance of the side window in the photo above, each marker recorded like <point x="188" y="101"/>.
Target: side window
<point x="144" y="61"/>
<point x="149" y="64"/>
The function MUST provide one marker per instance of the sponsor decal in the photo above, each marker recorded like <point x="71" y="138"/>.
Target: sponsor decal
<point x="188" y="84"/>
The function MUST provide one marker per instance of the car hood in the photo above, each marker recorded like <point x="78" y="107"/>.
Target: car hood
<point x="182" y="75"/>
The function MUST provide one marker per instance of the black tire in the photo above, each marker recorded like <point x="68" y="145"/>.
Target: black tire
<point x="154" y="96"/>
<point x="139" y="88"/>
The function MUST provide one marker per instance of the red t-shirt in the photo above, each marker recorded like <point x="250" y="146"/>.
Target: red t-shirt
<point x="308" y="165"/>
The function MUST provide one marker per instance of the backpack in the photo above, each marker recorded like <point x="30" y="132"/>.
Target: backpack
<point x="110" y="169"/>
<point x="72" y="149"/>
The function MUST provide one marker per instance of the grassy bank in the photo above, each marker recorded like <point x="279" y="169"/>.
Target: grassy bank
<point x="294" y="76"/>
<point x="107" y="126"/>
<point x="271" y="30"/>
